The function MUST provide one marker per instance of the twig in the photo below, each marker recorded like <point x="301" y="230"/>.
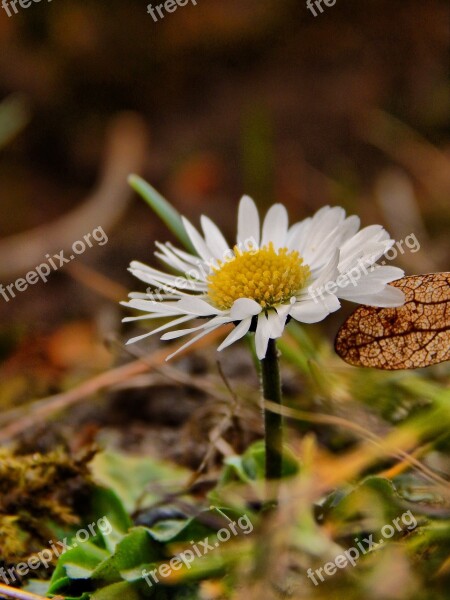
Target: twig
<point x="95" y="281"/>
<point x="41" y="409"/>
<point x="10" y="592"/>
<point x="203" y="384"/>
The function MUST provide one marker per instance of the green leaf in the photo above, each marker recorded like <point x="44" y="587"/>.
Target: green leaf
<point x="77" y="563"/>
<point x="167" y="213"/>
<point x="206" y="523"/>
<point x="137" y="550"/>
<point x="251" y="465"/>
<point x="171" y="530"/>
<point x="129" y="476"/>
<point x="106" y="503"/>
<point x="367" y="506"/>
<point x="117" y="591"/>
<point x="41" y="588"/>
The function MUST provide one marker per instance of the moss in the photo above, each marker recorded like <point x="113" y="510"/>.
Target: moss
<point x="37" y="492"/>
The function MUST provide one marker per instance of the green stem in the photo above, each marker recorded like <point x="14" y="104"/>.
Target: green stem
<point x="271" y="384"/>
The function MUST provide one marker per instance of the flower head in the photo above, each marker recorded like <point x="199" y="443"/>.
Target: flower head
<point x="271" y="274"/>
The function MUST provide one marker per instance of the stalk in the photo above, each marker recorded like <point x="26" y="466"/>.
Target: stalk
<point x="271" y="385"/>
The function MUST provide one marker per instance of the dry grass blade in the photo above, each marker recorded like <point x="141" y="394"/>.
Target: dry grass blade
<point x="19" y="420"/>
<point x="414" y="335"/>
<point x="388" y="449"/>
<point x="125" y="152"/>
<point x="9" y="592"/>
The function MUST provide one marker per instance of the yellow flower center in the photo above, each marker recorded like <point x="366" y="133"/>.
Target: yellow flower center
<point x="270" y="277"/>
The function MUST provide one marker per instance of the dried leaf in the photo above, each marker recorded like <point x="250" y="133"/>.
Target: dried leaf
<point x="414" y="335"/>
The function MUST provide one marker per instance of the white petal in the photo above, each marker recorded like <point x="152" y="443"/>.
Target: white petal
<point x="189" y="258"/>
<point x="138" y="296"/>
<point x="196" y="306"/>
<point x="276" y="324"/>
<point x="319" y="254"/>
<point x="195" y="289"/>
<point x="366" y="255"/>
<point x="388" y="297"/>
<point x="170" y="335"/>
<point x="171" y="285"/>
<point x="386" y="273"/>
<point x="369" y="241"/>
<point x="313" y="311"/>
<point x="349" y="228"/>
<point x="317" y="239"/>
<point x="238" y="332"/>
<point x="214" y="239"/>
<point x="149" y="296"/>
<point x="158" y="280"/>
<point x="248" y="222"/>
<point x="322" y="224"/>
<point x="163" y="308"/>
<point x="296" y="234"/>
<point x="170" y="258"/>
<point x="329" y="302"/>
<point x="367" y="234"/>
<point x="327" y="273"/>
<point x="197" y="241"/>
<point x="138" y="338"/>
<point x="243" y="308"/>
<point x="159" y="329"/>
<point x="262" y="336"/>
<point x="359" y="283"/>
<point x="150" y="275"/>
<point x="275" y="226"/>
<point x="193" y="340"/>
<point x="146" y="317"/>
<point x="284" y="309"/>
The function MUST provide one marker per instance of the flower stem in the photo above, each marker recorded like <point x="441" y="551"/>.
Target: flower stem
<point x="271" y="385"/>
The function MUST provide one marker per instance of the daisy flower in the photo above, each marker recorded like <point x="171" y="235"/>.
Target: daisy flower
<point x="272" y="274"/>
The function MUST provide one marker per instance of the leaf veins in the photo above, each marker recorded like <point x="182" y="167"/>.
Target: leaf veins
<point x="411" y="336"/>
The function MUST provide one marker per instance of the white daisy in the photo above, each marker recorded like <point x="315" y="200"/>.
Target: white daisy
<point x="270" y="276"/>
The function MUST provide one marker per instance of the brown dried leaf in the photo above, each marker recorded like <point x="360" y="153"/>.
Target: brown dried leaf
<point x="414" y="335"/>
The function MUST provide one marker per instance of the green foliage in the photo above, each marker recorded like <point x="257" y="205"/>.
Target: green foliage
<point x="96" y="566"/>
<point x="365" y="506"/>
<point x="111" y="564"/>
<point x="367" y="424"/>
<point x="132" y="477"/>
<point x="250" y="466"/>
<point x="167" y="213"/>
